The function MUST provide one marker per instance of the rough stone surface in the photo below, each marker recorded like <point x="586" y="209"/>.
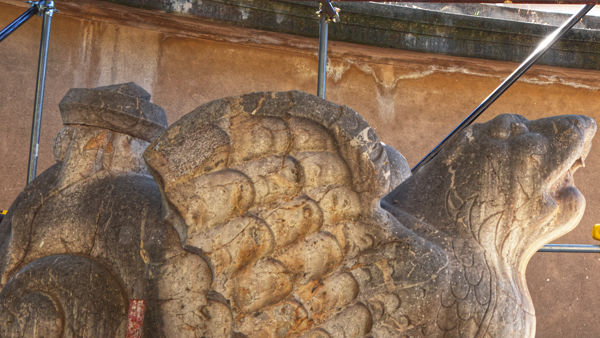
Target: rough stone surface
<point x="86" y="236"/>
<point x="398" y="93"/>
<point x="124" y="108"/>
<point x="470" y="30"/>
<point x="282" y="198"/>
<point x="275" y="226"/>
<point x="484" y="206"/>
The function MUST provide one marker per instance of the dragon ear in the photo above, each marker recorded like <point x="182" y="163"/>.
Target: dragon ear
<point x="275" y="189"/>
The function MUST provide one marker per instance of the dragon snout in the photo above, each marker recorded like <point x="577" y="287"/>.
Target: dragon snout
<point x="587" y="127"/>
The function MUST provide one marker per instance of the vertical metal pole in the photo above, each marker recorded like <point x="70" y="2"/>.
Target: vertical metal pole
<point x="323" y="28"/>
<point x="48" y="10"/>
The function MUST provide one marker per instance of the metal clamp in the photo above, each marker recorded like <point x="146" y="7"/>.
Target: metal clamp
<point x="327" y="9"/>
<point x="43" y="7"/>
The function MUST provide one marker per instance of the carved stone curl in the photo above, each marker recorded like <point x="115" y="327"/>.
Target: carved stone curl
<point x="286" y="216"/>
<point x="86" y="236"/>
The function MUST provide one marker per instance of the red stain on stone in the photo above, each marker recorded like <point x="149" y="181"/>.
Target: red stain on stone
<point x="135" y="318"/>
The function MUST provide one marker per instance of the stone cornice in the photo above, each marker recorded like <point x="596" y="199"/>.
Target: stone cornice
<point x="416" y="29"/>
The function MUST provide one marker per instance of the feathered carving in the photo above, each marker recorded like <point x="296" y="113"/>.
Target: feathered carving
<point x="286" y="216"/>
<point x="282" y="199"/>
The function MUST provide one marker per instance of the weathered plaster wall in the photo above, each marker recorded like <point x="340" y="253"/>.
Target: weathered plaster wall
<point x="412" y="100"/>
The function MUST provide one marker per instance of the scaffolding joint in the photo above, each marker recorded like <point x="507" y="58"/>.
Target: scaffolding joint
<point x="44" y="7"/>
<point x="327" y="10"/>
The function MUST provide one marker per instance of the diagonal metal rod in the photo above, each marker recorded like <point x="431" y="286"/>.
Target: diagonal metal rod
<point x="523" y="67"/>
<point x="33" y="10"/>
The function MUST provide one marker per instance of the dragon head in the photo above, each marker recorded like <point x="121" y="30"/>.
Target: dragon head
<point x="507" y="183"/>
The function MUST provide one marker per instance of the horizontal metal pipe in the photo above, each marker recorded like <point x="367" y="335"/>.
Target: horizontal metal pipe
<point x="512" y="78"/>
<point x="537" y="2"/>
<point x="575" y="248"/>
<point x="18" y="22"/>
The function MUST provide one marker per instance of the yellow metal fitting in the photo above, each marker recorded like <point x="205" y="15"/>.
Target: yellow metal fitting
<point x="596" y="232"/>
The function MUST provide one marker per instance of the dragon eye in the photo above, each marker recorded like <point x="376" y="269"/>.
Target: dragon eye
<point x="499" y="131"/>
<point x="503" y="126"/>
<point x="517" y="128"/>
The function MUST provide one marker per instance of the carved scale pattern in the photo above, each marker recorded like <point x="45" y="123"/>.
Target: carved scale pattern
<point x="269" y="199"/>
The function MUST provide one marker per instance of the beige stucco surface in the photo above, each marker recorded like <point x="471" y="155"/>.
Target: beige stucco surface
<point x="412" y="100"/>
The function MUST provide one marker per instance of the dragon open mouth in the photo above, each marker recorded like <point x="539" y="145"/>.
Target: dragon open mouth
<point x="562" y="203"/>
<point x="569" y="200"/>
<point x="566" y="180"/>
<point x="582" y="131"/>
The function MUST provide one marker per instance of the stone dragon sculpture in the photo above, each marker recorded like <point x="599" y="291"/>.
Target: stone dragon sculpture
<point x="281" y="214"/>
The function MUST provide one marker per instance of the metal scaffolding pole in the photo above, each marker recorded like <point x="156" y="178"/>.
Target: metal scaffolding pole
<point x="326" y="13"/>
<point x="33" y="10"/>
<point x="323" y="28"/>
<point x="46" y="9"/>
<point x="575" y="248"/>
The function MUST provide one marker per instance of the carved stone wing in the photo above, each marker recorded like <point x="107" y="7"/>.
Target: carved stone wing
<point x="278" y="191"/>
